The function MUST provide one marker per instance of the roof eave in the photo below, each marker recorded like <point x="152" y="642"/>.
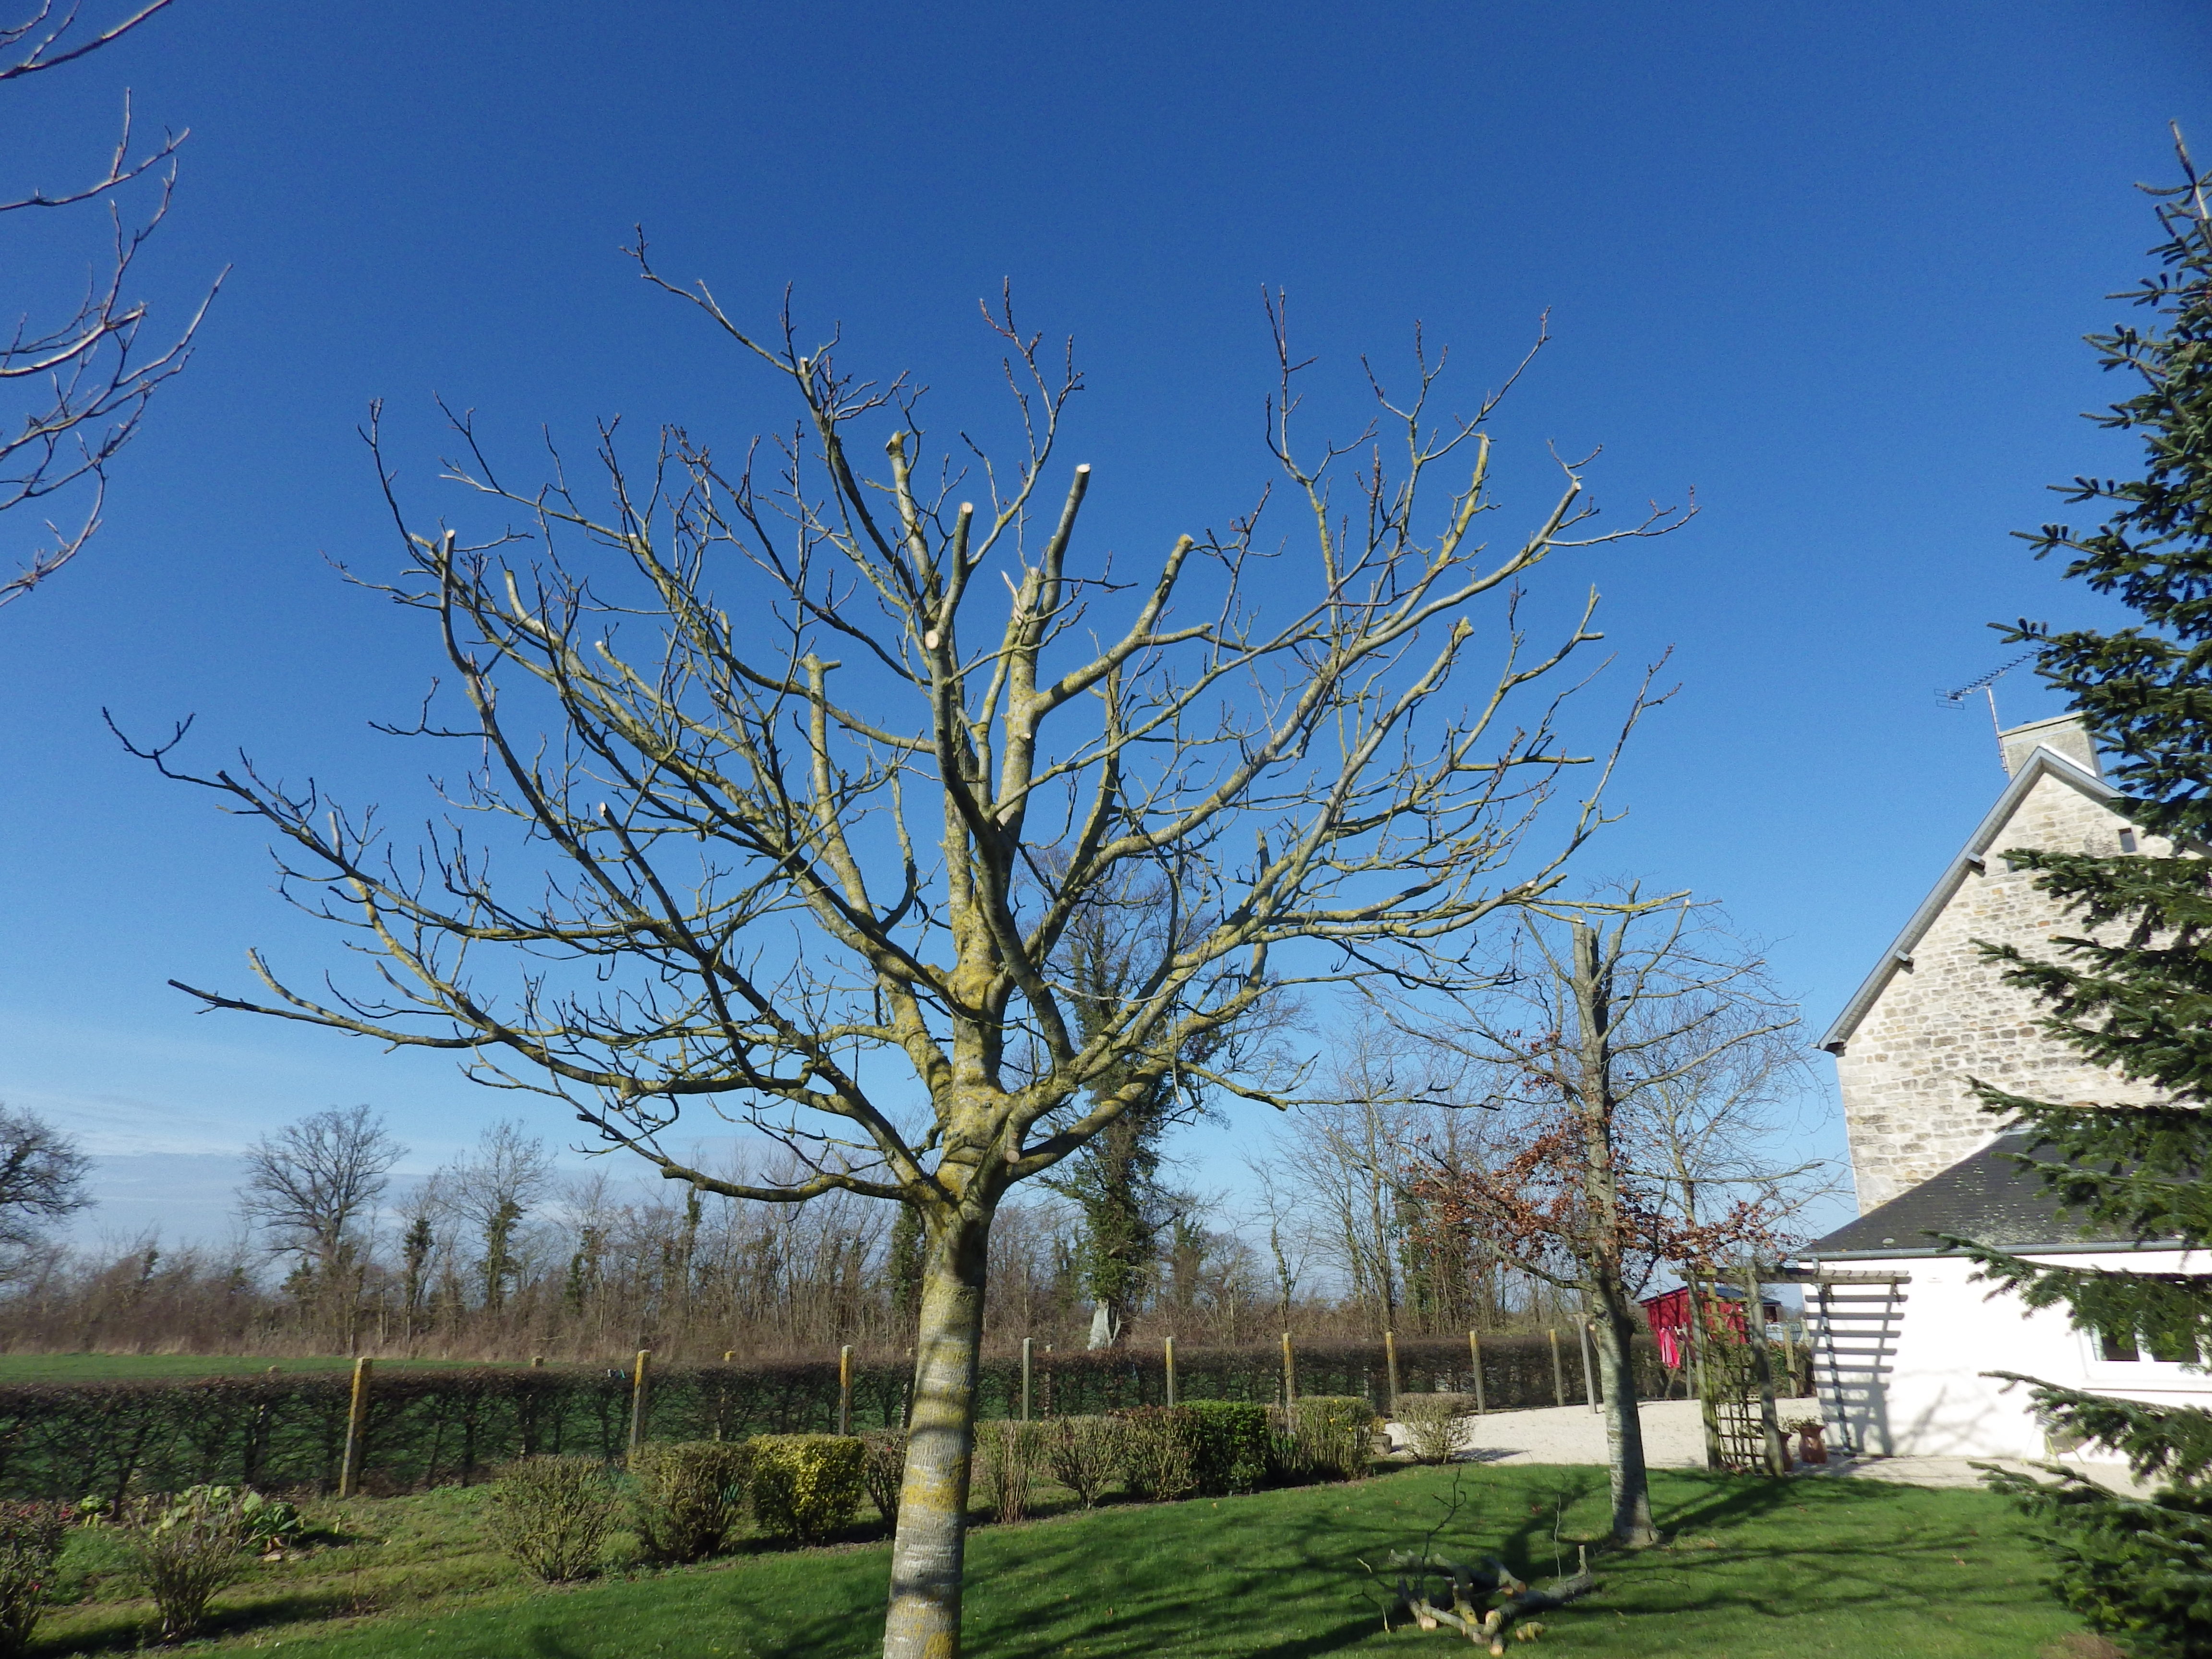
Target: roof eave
<point x="1985" y="833"/>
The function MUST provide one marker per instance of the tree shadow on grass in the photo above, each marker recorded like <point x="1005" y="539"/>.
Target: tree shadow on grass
<point x="132" y="1625"/>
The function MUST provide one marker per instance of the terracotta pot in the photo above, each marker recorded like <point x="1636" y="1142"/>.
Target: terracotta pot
<point x="1809" y="1449"/>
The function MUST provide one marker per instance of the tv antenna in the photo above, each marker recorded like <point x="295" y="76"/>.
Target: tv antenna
<point x="1987" y="685"/>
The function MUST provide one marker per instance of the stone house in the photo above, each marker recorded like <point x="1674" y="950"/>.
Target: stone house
<point x="1904" y="1333"/>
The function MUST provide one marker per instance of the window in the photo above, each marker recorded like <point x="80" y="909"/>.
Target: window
<point x="2127" y="841"/>
<point x="2123" y="1347"/>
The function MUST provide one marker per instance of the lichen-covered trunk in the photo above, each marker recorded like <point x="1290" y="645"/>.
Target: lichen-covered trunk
<point x="1623" y="1426"/>
<point x="924" y="1620"/>
<point x="1604" y="1246"/>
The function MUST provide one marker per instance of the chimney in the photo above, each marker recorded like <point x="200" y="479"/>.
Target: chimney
<point x="2065" y="734"/>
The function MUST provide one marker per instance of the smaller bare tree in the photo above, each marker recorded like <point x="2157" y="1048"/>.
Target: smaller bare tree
<point x="511" y="1171"/>
<point x="43" y="1174"/>
<point x="1601" y="1007"/>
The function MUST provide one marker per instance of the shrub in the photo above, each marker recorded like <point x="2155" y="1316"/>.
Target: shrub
<point x="1083" y="1454"/>
<point x="1432" y="1423"/>
<point x="807" y="1486"/>
<point x="687" y="1496"/>
<point x="1012" y="1452"/>
<point x="270" y="1522"/>
<point x="1323" y="1437"/>
<point x="188" y="1547"/>
<point x="883" y="1469"/>
<point x="1231" y="1440"/>
<point x="551" y="1514"/>
<point x="30" y="1538"/>
<point x="1159" y="1451"/>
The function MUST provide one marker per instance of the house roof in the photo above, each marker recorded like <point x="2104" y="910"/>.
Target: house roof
<point x="1987" y="1197"/>
<point x="2045" y="762"/>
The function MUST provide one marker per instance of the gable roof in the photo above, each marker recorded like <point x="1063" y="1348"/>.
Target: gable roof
<point x="1987" y="1197"/>
<point x="2045" y="762"/>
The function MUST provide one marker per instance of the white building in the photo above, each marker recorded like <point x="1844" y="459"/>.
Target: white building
<point x="1905" y="1337"/>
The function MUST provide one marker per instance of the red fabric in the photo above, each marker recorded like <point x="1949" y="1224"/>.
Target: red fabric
<point x="1668" y="1314"/>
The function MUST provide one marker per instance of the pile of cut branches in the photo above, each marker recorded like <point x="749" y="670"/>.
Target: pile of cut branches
<point x="1483" y="1600"/>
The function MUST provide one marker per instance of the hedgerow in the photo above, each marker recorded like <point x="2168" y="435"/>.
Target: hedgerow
<point x="433" y="1427"/>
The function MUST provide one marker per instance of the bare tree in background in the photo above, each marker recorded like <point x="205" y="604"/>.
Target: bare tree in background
<point x="1348" y="1157"/>
<point x="1280" y="1211"/>
<point x="310" y="1184"/>
<point x="787" y="857"/>
<point x="75" y="382"/>
<point x="42" y="1178"/>
<point x="493" y="1190"/>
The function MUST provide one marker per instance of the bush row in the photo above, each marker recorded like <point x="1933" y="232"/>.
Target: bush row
<point x="437" y="1427"/>
<point x="552" y="1513"/>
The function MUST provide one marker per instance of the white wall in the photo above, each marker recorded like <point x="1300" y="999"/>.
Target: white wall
<point x="1936" y="1401"/>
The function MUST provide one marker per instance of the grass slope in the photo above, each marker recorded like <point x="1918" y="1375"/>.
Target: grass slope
<point x="127" y="1367"/>
<point x="1752" y="1571"/>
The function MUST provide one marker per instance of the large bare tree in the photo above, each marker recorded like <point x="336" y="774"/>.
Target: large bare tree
<point x="75" y="381"/>
<point x="312" y="1183"/>
<point x="43" y="1176"/>
<point x="809" y="766"/>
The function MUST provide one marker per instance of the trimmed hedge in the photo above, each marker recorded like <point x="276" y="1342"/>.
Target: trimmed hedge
<point x="807" y="1486"/>
<point x="1231" y="1444"/>
<point x="438" y="1427"/>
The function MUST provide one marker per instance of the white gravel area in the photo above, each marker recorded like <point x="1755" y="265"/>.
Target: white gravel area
<point x="1674" y="1439"/>
<point x="1674" y="1434"/>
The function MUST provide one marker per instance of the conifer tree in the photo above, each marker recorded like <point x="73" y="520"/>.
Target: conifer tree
<point x="2132" y="989"/>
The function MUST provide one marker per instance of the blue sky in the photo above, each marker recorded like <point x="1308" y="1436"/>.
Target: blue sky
<point x="1826" y="266"/>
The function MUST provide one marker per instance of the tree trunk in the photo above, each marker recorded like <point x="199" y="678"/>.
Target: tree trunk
<point x="924" y="1620"/>
<point x="1623" y="1427"/>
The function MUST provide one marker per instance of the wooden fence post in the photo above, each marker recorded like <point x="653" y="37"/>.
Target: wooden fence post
<point x="1590" y="1371"/>
<point x="1390" y="1371"/>
<point x="1025" y="1378"/>
<point x="1168" y="1347"/>
<point x="356" y="1429"/>
<point x="845" y="1389"/>
<point x="1559" y="1372"/>
<point x="638" y="1382"/>
<point x="1290" y="1374"/>
<point x="1475" y="1351"/>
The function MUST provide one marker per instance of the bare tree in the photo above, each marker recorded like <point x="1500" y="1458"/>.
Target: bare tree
<point x="309" y="1184"/>
<point x="493" y="1190"/>
<point x="80" y="378"/>
<point x="43" y="1174"/>
<point x="1350" y="1153"/>
<point x="1603" y="1006"/>
<point x="772" y="881"/>
<point x="1289" y="1247"/>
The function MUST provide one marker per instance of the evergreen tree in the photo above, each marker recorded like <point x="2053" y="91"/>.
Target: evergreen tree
<point x="2132" y="989"/>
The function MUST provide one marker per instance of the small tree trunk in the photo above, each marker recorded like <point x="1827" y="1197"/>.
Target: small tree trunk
<point x="1623" y="1427"/>
<point x="924" y="1620"/>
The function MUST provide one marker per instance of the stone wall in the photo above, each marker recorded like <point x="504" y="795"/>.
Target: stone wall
<point x="1949" y="1017"/>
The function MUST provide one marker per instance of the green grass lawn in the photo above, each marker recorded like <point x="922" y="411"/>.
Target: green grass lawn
<point x="1751" y="1570"/>
<point x="123" y="1367"/>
